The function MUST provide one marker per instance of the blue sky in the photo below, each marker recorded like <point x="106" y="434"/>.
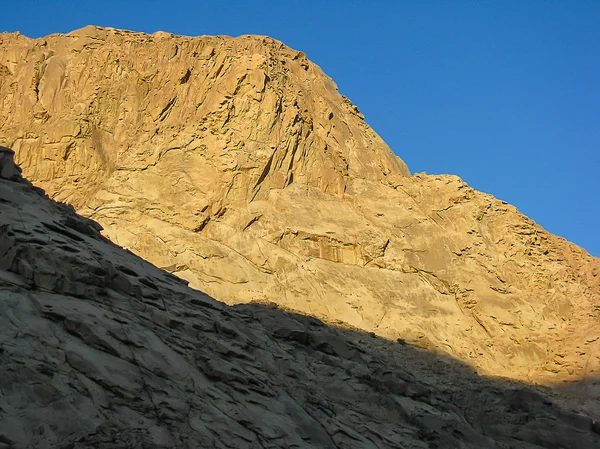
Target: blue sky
<point x="504" y="94"/>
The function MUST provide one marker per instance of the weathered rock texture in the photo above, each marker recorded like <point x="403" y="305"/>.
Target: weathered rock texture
<point x="99" y="349"/>
<point x="236" y="164"/>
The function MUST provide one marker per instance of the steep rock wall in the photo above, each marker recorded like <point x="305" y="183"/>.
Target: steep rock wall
<point x="236" y="164"/>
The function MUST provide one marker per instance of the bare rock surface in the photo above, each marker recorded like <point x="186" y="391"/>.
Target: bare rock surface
<point x="100" y="349"/>
<point x="235" y="164"/>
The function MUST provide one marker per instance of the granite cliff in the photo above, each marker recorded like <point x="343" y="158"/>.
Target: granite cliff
<point x="100" y="349"/>
<point x="235" y="164"/>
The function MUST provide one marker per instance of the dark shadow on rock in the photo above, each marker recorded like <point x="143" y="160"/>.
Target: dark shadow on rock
<point x="497" y="408"/>
<point x="583" y="394"/>
<point x="8" y="169"/>
<point x="100" y="349"/>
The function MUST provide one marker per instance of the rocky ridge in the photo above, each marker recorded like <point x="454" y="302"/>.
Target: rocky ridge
<point x="235" y="164"/>
<point x="100" y="349"/>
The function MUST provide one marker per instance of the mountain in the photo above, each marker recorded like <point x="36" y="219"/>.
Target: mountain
<point x="100" y="349"/>
<point x="235" y="164"/>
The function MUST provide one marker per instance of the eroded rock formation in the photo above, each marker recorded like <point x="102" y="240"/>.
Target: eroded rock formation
<point x="100" y="349"/>
<point x="235" y="164"/>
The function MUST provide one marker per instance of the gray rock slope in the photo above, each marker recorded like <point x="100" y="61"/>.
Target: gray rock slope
<point x="100" y="349"/>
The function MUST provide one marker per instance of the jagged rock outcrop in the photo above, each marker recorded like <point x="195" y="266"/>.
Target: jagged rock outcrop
<point x="236" y="164"/>
<point x="99" y="349"/>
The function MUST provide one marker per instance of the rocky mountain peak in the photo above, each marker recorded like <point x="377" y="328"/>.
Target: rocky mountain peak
<point x="235" y="164"/>
<point x="259" y="113"/>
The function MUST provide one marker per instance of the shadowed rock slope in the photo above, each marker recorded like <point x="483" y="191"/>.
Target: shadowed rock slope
<point x="236" y="164"/>
<point x="100" y="349"/>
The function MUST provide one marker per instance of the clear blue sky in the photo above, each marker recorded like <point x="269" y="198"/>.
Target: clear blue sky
<point x="505" y="94"/>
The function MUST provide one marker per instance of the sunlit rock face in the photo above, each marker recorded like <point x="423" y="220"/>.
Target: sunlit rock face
<point x="100" y="350"/>
<point x="236" y="164"/>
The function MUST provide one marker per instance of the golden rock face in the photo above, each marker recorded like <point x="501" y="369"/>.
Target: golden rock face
<point x="100" y="349"/>
<point x="236" y="164"/>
